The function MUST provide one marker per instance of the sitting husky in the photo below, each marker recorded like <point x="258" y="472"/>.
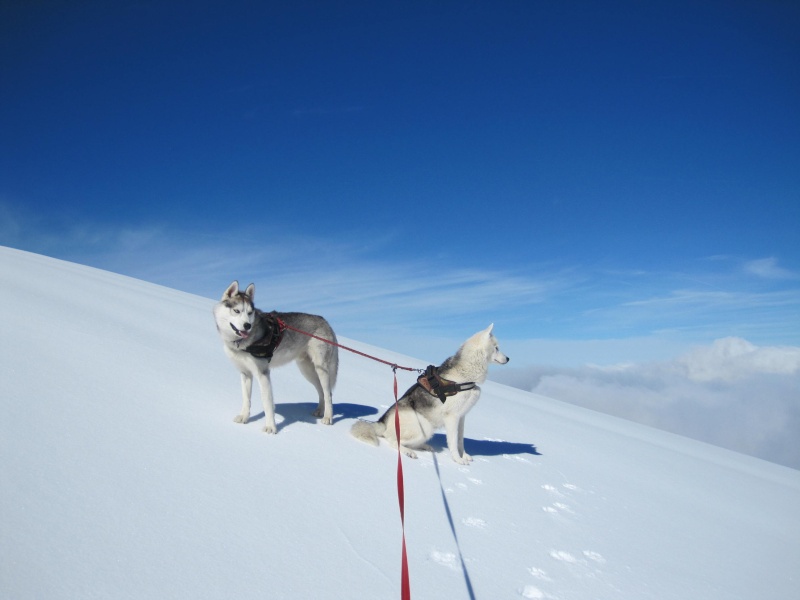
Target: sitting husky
<point x="434" y="402"/>
<point x="255" y="340"/>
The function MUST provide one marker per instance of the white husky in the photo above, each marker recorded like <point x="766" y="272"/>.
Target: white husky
<point x="434" y="401"/>
<point x="255" y="340"/>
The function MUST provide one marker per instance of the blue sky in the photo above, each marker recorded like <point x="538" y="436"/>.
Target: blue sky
<point x="605" y="181"/>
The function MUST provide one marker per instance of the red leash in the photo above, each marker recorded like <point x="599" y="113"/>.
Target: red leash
<point x="332" y="343"/>
<point x="405" y="587"/>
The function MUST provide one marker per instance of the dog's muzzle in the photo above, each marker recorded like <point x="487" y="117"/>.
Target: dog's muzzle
<point x="242" y="334"/>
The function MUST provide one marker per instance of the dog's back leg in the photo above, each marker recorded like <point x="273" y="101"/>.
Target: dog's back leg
<point x="325" y="406"/>
<point x="318" y="377"/>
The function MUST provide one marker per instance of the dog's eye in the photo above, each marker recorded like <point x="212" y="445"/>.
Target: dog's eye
<point x="236" y="310"/>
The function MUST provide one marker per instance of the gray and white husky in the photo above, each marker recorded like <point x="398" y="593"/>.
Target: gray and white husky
<point x="422" y="411"/>
<point x="255" y="341"/>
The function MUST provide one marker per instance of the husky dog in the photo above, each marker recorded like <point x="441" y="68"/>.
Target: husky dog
<point x="421" y="411"/>
<point x="255" y="340"/>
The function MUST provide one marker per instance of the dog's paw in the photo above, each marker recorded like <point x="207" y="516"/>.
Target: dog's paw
<point x="243" y="419"/>
<point x="462" y="460"/>
<point x="318" y="413"/>
<point x="271" y="429"/>
<point x="426" y="448"/>
<point x="327" y="421"/>
<point x="409" y="453"/>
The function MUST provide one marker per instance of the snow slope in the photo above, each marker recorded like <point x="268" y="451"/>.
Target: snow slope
<point x="124" y="476"/>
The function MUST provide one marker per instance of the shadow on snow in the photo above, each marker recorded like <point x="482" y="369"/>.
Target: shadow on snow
<point x="486" y="447"/>
<point x="300" y="412"/>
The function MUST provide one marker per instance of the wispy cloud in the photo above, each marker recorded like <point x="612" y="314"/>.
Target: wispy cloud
<point x="344" y="281"/>
<point x="768" y="268"/>
<point x="738" y="309"/>
<point x="379" y="297"/>
<point x="682" y="301"/>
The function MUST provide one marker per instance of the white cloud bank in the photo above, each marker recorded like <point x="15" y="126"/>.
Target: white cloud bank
<point x="731" y="394"/>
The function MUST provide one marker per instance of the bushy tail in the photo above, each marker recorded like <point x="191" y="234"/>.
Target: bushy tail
<point x="367" y="431"/>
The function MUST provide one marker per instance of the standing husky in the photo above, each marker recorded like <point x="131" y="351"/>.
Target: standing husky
<point x="255" y="340"/>
<point x="435" y="402"/>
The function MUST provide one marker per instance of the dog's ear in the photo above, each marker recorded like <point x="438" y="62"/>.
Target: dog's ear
<point x="488" y="330"/>
<point x="232" y="290"/>
<point x="250" y="292"/>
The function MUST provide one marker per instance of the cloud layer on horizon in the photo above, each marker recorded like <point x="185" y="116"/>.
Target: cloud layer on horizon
<point x="731" y="394"/>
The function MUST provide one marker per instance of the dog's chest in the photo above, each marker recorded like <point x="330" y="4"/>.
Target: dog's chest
<point x="245" y="361"/>
<point x="461" y="403"/>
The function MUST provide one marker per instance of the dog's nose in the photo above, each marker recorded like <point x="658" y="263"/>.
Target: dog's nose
<point x="247" y="326"/>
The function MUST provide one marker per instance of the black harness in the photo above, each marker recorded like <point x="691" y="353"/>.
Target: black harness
<point x="265" y="346"/>
<point x="438" y="386"/>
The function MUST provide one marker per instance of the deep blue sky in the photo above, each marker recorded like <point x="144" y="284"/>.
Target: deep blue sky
<point x="573" y="171"/>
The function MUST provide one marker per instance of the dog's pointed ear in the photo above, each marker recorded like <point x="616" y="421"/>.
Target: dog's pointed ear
<point x="488" y="330"/>
<point x="250" y="292"/>
<point x="232" y="290"/>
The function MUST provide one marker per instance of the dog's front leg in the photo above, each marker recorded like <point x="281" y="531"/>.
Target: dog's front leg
<point x="452" y="425"/>
<point x="266" y="399"/>
<point x="463" y="454"/>
<point x="247" y="387"/>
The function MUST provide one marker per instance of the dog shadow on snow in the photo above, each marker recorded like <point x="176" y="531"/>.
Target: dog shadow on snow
<point x="300" y="412"/>
<point x="485" y="447"/>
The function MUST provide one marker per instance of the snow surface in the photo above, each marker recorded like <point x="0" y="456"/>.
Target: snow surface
<point x="124" y="475"/>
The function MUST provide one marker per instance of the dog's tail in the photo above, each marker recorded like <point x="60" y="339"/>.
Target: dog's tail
<point x="368" y="432"/>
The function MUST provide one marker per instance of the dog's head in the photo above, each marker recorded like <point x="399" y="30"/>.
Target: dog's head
<point x="235" y="312"/>
<point x="489" y="345"/>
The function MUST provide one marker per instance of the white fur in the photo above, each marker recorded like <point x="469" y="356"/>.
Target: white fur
<point x="418" y="423"/>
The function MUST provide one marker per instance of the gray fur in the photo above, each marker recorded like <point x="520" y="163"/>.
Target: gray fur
<point x="241" y="325"/>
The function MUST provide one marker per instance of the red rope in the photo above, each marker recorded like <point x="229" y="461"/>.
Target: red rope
<point x="405" y="587"/>
<point x="332" y="343"/>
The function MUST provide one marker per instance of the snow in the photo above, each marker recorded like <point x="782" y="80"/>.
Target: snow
<point x="124" y="475"/>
